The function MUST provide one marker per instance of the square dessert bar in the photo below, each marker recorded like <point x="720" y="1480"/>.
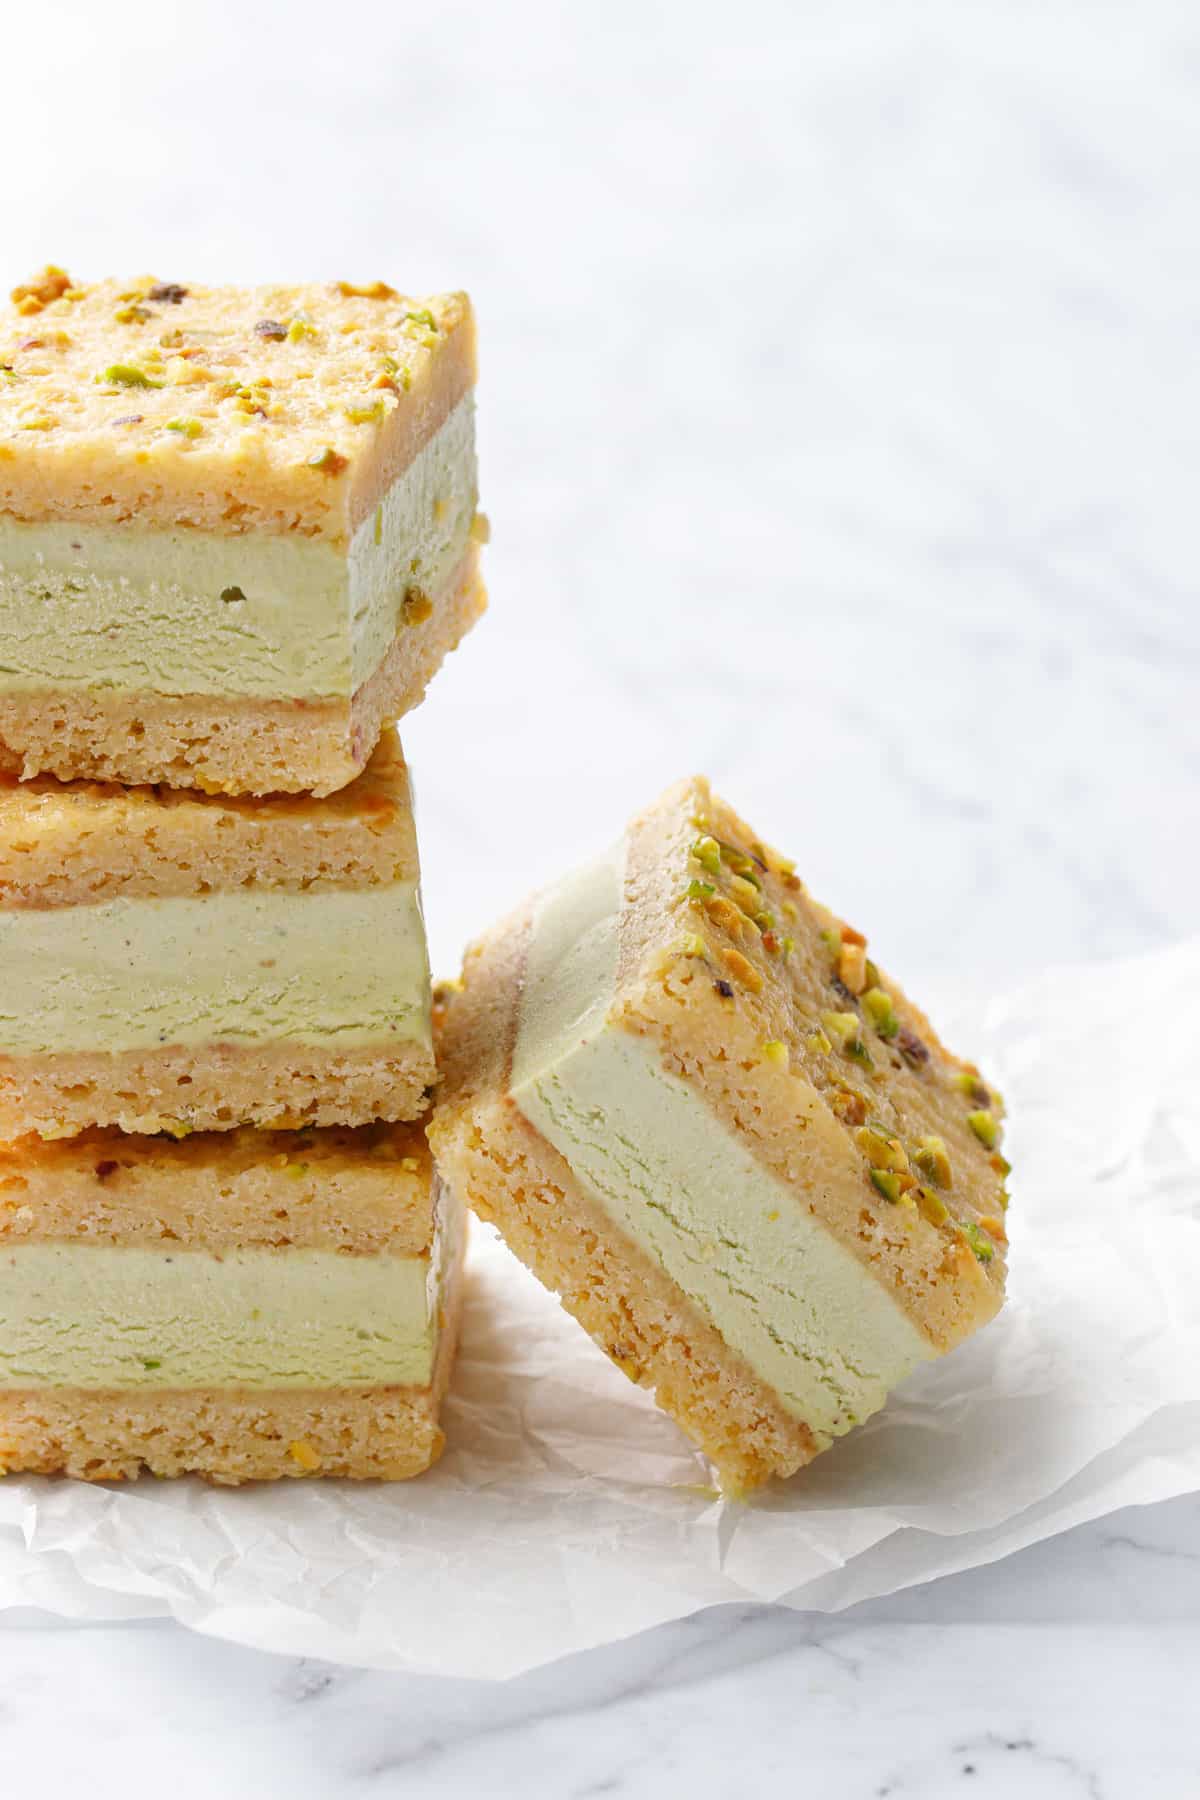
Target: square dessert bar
<point x="241" y="1306"/>
<point x="741" y="1157"/>
<point x="180" y="961"/>
<point x="238" y="526"/>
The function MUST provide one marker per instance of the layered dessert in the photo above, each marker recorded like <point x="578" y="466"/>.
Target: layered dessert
<point x="176" y="961"/>
<point x="702" y="1115"/>
<point x="243" y="1305"/>
<point x="238" y="526"/>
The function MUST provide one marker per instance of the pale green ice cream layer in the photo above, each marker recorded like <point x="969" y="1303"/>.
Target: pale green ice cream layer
<point x="96" y="1316"/>
<point x="800" y="1309"/>
<point x="337" y="968"/>
<point x="270" y="615"/>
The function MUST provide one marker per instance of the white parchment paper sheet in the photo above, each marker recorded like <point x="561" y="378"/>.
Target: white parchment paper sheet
<point x="567" y="1511"/>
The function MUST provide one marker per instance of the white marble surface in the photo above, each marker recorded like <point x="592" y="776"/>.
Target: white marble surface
<point x="840" y="421"/>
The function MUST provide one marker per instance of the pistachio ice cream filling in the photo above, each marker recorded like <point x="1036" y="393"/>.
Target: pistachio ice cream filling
<point x="139" y="610"/>
<point x="804" y="1314"/>
<point x="92" y="1316"/>
<point x="336" y="968"/>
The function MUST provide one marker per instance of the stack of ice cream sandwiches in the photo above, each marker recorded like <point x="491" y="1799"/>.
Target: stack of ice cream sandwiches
<point x="238" y="535"/>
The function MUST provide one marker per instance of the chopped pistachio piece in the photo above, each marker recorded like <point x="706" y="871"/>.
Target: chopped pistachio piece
<point x="931" y="1206"/>
<point x="887" y="1181"/>
<point x="700" y="890"/>
<point x="300" y="328"/>
<point x="911" y="1048"/>
<point x="877" y="1004"/>
<point x="394" y="373"/>
<point x="189" y="428"/>
<point x="979" y="1241"/>
<point x="967" y="1082"/>
<point x="845" y="1029"/>
<point x="746" y="894"/>
<point x="693" y="945"/>
<point x="329" y="461"/>
<point x="983" y="1124"/>
<point x="849" y="1106"/>
<point x="881" y="1150"/>
<point x="126" y="375"/>
<point x="365" y="415"/>
<point x="739" y="862"/>
<point x="841" y="1026"/>
<point x="775" y="1052"/>
<point x="852" y="966"/>
<point x="707" y="853"/>
<point x="933" y="1161"/>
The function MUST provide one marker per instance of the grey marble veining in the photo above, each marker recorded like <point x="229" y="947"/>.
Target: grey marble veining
<point x="1068" y="1670"/>
<point x="840" y="423"/>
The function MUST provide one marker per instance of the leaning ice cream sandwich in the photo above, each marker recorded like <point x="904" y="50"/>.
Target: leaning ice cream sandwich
<point x="739" y="1154"/>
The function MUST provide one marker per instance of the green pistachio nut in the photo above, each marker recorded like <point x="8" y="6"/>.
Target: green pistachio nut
<point x="707" y="853"/>
<point x="887" y="1182"/>
<point x="126" y="375"/>
<point x="877" y="1004"/>
<point x="984" y="1125"/>
<point x="933" y="1160"/>
<point x="881" y="1150"/>
<point x="979" y="1240"/>
<point x="931" y="1206"/>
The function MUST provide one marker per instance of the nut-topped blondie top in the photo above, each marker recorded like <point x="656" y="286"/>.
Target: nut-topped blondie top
<point x="244" y="1306"/>
<point x="701" y="1113"/>
<point x="272" y="409"/>
<point x="238" y="527"/>
<point x="188" y="962"/>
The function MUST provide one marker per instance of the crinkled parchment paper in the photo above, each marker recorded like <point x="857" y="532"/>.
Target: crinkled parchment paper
<point x="567" y="1511"/>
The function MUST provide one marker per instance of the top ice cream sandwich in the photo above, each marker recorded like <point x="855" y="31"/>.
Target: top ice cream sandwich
<point x="238" y="526"/>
